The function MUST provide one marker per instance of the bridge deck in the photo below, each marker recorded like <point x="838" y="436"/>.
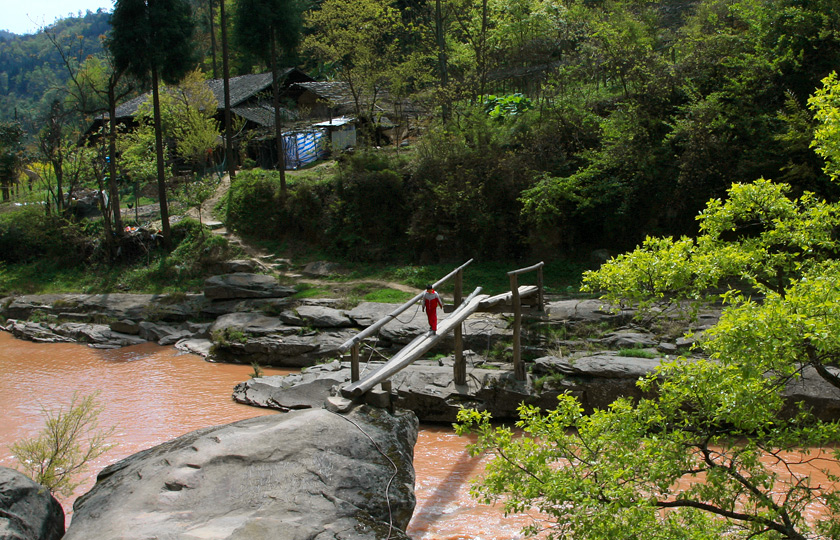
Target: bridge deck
<point x="418" y="346"/>
<point x="424" y="342"/>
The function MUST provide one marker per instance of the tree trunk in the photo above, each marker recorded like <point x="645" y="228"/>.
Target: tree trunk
<point x="113" y="192"/>
<point x="278" y="128"/>
<point x="442" y="61"/>
<point x="60" y="202"/>
<point x="226" y="74"/>
<point x="161" y="176"/>
<point x="213" y="38"/>
<point x="482" y="63"/>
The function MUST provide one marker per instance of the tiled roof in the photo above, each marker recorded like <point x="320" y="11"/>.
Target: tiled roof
<point x="242" y="88"/>
<point x="339" y="97"/>
<point x="261" y="113"/>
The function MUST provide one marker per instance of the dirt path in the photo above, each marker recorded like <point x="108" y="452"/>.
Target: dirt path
<point x="263" y="258"/>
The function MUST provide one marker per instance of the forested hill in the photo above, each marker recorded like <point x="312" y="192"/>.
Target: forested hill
<point x="31" y="69"/>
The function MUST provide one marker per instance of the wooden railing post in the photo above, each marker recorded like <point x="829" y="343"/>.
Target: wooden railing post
<point x="540" y="293"/>
<point x="518" y="366"/>
<point x="354" y="362"/>
<point x="460" y="374"/>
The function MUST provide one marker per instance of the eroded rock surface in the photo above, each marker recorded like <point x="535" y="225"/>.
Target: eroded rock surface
<point x="306" y="474"/>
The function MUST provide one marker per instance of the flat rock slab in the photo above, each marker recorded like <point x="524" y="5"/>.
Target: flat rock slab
<point x="112" y="305"/>
<point x="316" y="317"/>
<point x="245" y="285"/>
<point x="586" y="310"/>
<point x="305" y="474"/>
<point x="254" y="324"/>
<point x="283" y="350"/>
<point x="425" y="388"/>
<point x="95" y="335"/>
<point x="288" y="393"/>
<point x="367" y="313"/>
<point x="610" y="366"/>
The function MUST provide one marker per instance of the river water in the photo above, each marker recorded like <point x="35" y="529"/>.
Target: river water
<point x="153" y="394"/>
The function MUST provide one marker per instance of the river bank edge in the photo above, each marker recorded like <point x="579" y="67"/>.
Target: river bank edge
<point x="579" y="347"/>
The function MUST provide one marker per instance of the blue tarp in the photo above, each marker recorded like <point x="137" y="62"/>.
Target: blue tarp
<point x="304" y="147"/>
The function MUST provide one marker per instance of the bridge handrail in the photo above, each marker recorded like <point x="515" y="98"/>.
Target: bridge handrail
<point x="418" y="346"/>
<point x="372" y="329"/>
<point x="528" y="269"/>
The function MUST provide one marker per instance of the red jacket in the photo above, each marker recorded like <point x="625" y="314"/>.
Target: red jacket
<point x="431" y="300"/>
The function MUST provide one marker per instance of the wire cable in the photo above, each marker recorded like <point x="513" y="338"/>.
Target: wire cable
<point x="390" y="480"/>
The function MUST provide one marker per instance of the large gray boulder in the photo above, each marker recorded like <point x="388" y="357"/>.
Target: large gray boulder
<point x="367" y="313"/>
<point x="303" y="475"/>
<point x="306" y="390"/>
<point x="426" y="388"/>
<point x="215" y="308"/>
<point x="245" y="285"/>
<point x="27" y="509"/>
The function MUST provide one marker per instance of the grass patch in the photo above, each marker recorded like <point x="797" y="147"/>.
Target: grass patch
<point x="177" y="273"/>
<point x="388" y="296"/>
<point x="637" y="353"/>
<point x="305" y="290"/>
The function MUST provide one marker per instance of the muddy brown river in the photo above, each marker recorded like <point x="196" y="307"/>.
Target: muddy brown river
<point x="153" y="394"/>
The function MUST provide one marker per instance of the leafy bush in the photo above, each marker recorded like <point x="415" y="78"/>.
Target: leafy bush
<point x="253" y="203"/>
<point x="369" y="209"/>
<point x="29" y="233"/>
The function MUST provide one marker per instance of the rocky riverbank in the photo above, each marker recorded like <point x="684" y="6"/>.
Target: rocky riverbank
<point x="579" y="346"/>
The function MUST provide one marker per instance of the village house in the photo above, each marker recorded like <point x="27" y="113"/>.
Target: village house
<point x="319" y="118"/>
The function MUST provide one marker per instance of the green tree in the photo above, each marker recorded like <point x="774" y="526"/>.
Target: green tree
<point x="187" y="115"/>
<point x="11" y="156"/>
<point x="708" y="455"/>
<point x="70" y="440"/>
<point x="826" y="106"/>
<point x="358" y="37"/>
<point x="267" y="29"/>
<point x="151" y="40"/>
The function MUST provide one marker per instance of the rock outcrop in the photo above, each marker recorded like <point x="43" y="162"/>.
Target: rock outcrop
<point x="306" y="474"/>
<point x="245" y="285"/>
<point x="27" y="509"/>
<point x="427" y="387"/>
<point x="231" y="322"/>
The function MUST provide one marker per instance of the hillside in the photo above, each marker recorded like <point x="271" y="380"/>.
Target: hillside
<point x="32" y="72"/>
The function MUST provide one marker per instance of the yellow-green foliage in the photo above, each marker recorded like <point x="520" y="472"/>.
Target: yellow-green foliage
<point x="71" y="438"/>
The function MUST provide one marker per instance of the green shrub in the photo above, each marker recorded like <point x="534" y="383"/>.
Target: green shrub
<point x="253" y="202"/>
<point x="69" y="441"/>
<point x="302" y="216"/>
<point x="636" y="353"/>
<point x="369" y="211"/>
<point x="229" y="335"/>
<point x="28" y="234"/>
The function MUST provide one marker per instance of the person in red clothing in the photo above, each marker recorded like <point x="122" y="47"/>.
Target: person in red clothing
<point x="431" y="301"/>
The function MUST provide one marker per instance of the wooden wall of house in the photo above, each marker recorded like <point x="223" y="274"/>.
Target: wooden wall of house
<point x="313" y="107"/>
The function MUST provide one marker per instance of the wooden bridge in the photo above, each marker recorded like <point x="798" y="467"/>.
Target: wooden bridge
<point x="519" y="300"/>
